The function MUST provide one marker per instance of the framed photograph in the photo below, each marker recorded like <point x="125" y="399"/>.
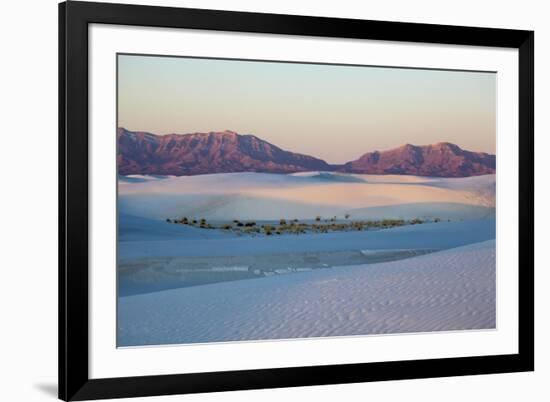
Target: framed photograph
<point x="257" y="200"/>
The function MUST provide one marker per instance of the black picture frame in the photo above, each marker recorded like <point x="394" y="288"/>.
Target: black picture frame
<point x="74" y="18"/>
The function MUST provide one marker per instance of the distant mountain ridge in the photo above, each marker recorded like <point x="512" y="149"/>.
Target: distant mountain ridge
<point x="228" y="152"/>
<point x="441" y="160"/>
<point x="202" y="153"/>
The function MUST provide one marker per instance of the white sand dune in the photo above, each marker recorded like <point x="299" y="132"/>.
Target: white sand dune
<point x="372" y="178"/>
<point x="265" y="196"/>
<point x="448" y="290"/>
<point x="140" y="178"/>
<point x="155" y="255"/>
<point x="135" y="228"/>
<point x="227" y="287"/>
<point x="425" y="210"/>
<point x="440" y="235"/>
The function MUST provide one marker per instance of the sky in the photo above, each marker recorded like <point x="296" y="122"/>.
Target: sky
<point x="333" y="112"/>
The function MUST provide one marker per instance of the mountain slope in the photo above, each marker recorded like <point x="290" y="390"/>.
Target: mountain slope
<point x="229" y="152"/>
<point x="201" y="153"/>
<point x="442" y="160"/>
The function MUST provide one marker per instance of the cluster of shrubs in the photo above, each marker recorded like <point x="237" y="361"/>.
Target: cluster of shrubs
<point x="192" y="222"/>
<point x="294" y="226"/>
<point x="202" y="223"/>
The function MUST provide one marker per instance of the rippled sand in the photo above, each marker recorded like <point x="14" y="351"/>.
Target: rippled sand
<point x="447" y="290"/>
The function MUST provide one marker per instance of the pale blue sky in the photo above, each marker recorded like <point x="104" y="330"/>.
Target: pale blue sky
<point x="336" y="113"/>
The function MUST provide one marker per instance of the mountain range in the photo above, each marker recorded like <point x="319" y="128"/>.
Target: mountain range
<point x="227" y="151"/>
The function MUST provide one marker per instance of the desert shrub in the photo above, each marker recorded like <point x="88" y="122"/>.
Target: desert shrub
<point x="296" y="229"/>
<point x="358" y="225"/>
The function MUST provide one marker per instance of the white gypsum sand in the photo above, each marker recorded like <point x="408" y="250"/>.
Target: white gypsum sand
<point x="193" y="242"/>
<point x="291" y="294"/>
<point x="157" y="255"/>
<point x="452" y="289"/>
<point x="264" y="196"/>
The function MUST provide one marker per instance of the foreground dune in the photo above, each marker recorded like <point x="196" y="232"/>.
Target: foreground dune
<point x="447" y="290"/>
